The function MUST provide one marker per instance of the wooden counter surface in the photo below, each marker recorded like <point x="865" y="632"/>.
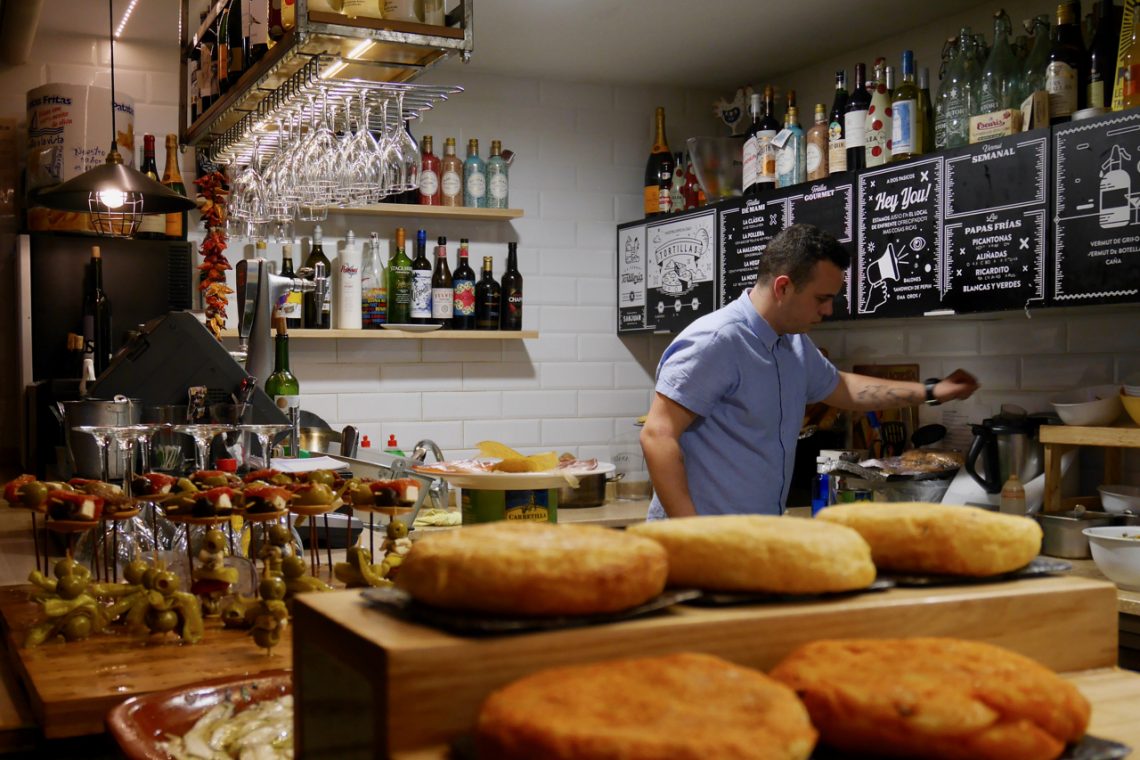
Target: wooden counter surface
<point x="1127" y="602"/>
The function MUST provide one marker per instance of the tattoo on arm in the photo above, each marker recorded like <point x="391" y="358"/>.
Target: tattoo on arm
<point x="890" y="395"/>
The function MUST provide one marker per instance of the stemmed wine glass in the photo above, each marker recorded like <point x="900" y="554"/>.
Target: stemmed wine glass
<point x="143" y="435"/>
<point x="125" y="438"/>
<point x="102" y="435"/>
<point x="264" y="434"/>
<point x="202" y="435"/>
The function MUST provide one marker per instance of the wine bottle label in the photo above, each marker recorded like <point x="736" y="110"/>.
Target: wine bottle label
<point x="1061" y="84"/>
<point x="290" y="306"/>
<point x="664" y="200"/>
<point x="452" y="184"/>
<point x="287" y="402"/>
<point x="498" y="186"/>
<point x="1096" y="94"/>
<point x="463" y="298"/>
<point x="902" y="126"/>
<point x="854" y="124"/>
<point x="476" y="184"/>
<point x="814" y="160"/>
<point x="766" y="155"/>
<point x="877" y="132"/>
<point x="374" y="306"/>
<point x="429" y="182"/>
<point x="836" y="149"/>
<point x="421" y="294"/>
<point x="785" y="165"/>
<point x="751" y="163"/>
<point x="442" y="303"/>
<point x="649" y="200"/>
<point x="676" y="198"/>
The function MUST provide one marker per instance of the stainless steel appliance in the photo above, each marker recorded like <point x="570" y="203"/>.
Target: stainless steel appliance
<point x="1004" y="444"/>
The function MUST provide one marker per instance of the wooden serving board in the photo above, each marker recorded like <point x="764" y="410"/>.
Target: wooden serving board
<point x="71" y="686"/>
<point x="423" y="688"/>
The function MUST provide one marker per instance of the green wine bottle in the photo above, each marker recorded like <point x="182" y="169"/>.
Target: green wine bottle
<point x="282" y="385"/>
<point x="400" y="284"/>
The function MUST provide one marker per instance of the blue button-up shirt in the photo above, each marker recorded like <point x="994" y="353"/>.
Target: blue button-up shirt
<point x="748" y="388"/>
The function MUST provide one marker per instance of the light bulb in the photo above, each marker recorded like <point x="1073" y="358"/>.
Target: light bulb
<point x="112" y="198"/>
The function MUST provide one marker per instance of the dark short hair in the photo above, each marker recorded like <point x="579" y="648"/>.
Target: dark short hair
<point x="796" y="250"/>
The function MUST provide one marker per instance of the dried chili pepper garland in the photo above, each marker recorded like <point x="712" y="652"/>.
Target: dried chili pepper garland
<point x="212" y="281"/>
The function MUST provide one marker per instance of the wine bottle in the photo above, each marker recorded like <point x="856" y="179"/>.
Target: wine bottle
<point x="791" y="159"/>
<point x="318" y="313"/>
<point x="96" y="316"/>
<point x="222" y="49"/>
<point x="373" y="286"/>
<point x="1033" y="70"/>
<point x="836" y="144"/>
<point x="291" y="306"/>
<point x="676" y="184"/>
<point x="1102" y="57"/>
<point x="512" y="292"/>
<point x="692" y="190"/>
<point x="1067" y="69"/>
<point x="817" y="145"/>
<point x="906" y="137"/>
<point x="451" y="180"/>
<point x="487" y="299"/>
<point x="430" y="194"/>
<point x="239" y="38"/>
<point x="151" y="226"/>
<point x="463" y="292"/>
<point x="207" y="68"/>
<point x="474" y="177"/>
<point x="769" y="128"/>
<point x="925" y="115"/>
<point x="855" y="120"/>
<point x="420" y="308"/>
<point x="172" y="178"/>
<point x="349" y="288"/>
<point x="282" y="385"/>
<point x="877" y="126"/>
<point x="658" y="170"/>
<point x="193" y="94"/>
<point x="400" y="284"/>
<point x="498" y="184"/>
<point x="750" y="176"/>
<point x="998" y="82"/>
<point x="442" y="295"/>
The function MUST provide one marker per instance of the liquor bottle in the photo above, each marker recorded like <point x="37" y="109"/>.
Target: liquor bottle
<point x="766" y="152"/>
<point x="318" y="315"/>
<point x="791" y="158"/>
<point x="512" y="293"/>
<point x="400" y="284"/>
<point x="152" y="226"/>
<point x="692" y="190"/>
<point x="488" y="297"/>
<point x="498" y="183"/>
<point x="877" y="126"/>
<point x="855" y="120"/>
<point x="430" y="194"/>
<point x="257" y="29"/>
<point x="463" y="292"/>
<point x="291" y="306"/>
<point x="282" y="385"/>
<point x="817" y="145"/>
<point x="750" y="176"/>
<point x="451" y="179"/>
<point x="238" y="38"/>
<point x="373" y="286"/>
<point x="836" y="144"/>
<point x="925" y="115"/>
<point x="420" y="308"/>
<point x="998" y="85"/>
<point x="349" y="288"/>
<point x="96" y="316"/>
<point x="906" y="134"/>
<point x="474" y="177"/>
<point x="1033" y="70"/>
<point x="442" y="294"/>
<point x="658" y="170"/>
<point x="172" y="178"/>
<point x="676" y="184"/>
<point x="1067" y="70"/>
<point x="1102" y="56"/>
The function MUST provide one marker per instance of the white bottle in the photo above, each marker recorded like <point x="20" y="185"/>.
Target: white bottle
<point x="1012" y="500"/>
<point x="348" y="284"/>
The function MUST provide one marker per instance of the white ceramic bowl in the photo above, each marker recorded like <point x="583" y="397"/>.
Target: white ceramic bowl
<point x="1096" y="405"/>
<point x="1119" y="498"/>
<point x="1116" y="555"/>
<point x="1132" y="390"/>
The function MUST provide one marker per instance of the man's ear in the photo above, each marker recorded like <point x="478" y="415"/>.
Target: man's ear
<point x="782" y="286"/>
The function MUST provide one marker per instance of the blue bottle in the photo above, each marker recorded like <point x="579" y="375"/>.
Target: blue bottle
<point x="474" y="177"/>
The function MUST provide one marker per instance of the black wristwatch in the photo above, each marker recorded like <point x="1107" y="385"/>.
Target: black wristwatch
<point x="930" y="383"/>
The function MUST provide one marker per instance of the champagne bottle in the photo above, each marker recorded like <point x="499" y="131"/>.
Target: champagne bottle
<point x="658" y="170"/>
<point x="498" y="184"/>
<point x="373" y="286"/>
<point x="318" y="314"/>
<point x="399" y="284"/>
<point x="1067" y="69"/>
<point x="172" y="178"/>
<point x="836" y="142"/>
<point x="96" y="316"/>
<point x="463" y="292"/>
<point x="430" y="194"/>
<point x="512" y="292"/>
<point x="855" y="120"/>
<point x="152" y="226"/>
<point x="906" y="135"/>
<point x="817" y="145"/>
<point x="488" y="297"/>
<point x="420" y="309"/>
<point x="282" y="385"/>
<point x="442" y="296"/>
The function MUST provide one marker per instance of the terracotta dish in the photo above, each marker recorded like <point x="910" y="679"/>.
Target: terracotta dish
<point x="142" y="724"/>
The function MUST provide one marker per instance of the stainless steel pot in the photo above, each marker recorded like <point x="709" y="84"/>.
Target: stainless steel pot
<point x="1062" y="533"/>
<point x="591" y="492"/>
<point x="81" y="447"/>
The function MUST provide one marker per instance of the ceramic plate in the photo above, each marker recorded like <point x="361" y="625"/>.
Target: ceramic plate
<point x="411" y="328"/>
<point x="507" y="481"/>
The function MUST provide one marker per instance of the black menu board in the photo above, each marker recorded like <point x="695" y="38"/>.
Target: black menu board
<point x="1097" y="210"/>
<point x="899" y="225"/>
<point x="995" y="222"/>
<point x="830" y="205"/>
<point x="746" y="229"/>
<point x="680" y="269"/>
<point x="631" y="271"/>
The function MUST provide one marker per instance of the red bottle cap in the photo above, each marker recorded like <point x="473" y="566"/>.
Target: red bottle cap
<point x="227" y="465"/>
<point x="392" y="441"/>
<point x="365" y="443"/>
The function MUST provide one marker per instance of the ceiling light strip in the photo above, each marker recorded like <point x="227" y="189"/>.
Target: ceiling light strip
<point x="126" y="17"/>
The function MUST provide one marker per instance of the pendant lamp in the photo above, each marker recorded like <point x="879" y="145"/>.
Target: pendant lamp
<point x="114" y="194"/>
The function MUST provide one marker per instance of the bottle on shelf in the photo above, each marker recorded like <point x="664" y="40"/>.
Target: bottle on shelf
<point x="855" y="120"/>
<point x="945" y="76"/>
<point x="282" y="385"/>
<point x="411" y="196"/>
<point x="1033" y="69"/>
<point x="442" y="293"/>
<point x="498" y="182"/>
<point x="451" y="178"/>
<point x="208" y="71"/>
<point x="488" y="299"/>
<point x="692" y="190"/>
<point x="658" y="170"/>
<point x="152" y="226"/>
<point x="1103" y="55"/>
<point x="877" y="126"/>
<point x="791" y="158"/>
<point x="291" y="305"/>
<point x="238" y="38"/>
<point x="817" y="145"/>
<point x="420" y="309"/>
<point x="836" y="144"/>
<point x="463" y="292"/>
<point x="318" y="314"/>
<point x="373" y="286"/>
<point x="474" y="177"/>
<point x="766" y="151"/>
<point x="222" y="49"/>
<point x="362" y="8"/>
<point x="193" y="95"/>
<point x="96" y="316"/>
<point x="1067" y="70"/>
<point x="1130" y="71"/>
<point x="511" y="317"/>
<point x="430" y="193"/>
<point x="676" y="185"/>
<point x="255" y="18"/>
<point x="400" y="284"/>
<point x="349" y="287"/>
<point x="750" y="174"/>
<point x="906" y="131"/>
<point x="172" y="178"/>
<point x="998" y="83"/>
<point x="925" y="113"/>
<point x="954" y="98"/>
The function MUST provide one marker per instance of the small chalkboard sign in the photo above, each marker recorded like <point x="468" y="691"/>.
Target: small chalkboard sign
<point x="1096" y="223"/>
<point x="898" y="231"/>
<point x="830" y="205"/>
<point x="680" y="269"/>
<point x="631" y="273"/>
<point x="747" y="226"/>
<point x="995" y="223"/>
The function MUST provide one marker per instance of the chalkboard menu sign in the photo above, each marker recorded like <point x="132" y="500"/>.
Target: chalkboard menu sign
<point x="747" y="226"/>
<point x="899" y="225"/>
<point x="995" y="238"/>
<point x="1097" y="210"/>
<point x="830" y="205"/>
<point x="631" y="293"/>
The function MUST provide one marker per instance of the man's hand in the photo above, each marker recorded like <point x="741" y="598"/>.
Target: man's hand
<point x="956" y="386"/>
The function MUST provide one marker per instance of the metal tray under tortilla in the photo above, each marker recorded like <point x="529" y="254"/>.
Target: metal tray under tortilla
<point x="730" y="598"/>
<point x="400" y="604"/>
<point x="1040" y="566"/>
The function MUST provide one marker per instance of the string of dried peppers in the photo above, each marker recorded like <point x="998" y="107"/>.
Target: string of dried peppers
<point x="212" y="280"/>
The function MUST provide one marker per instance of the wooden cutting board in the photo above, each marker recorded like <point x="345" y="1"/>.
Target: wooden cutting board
<point x="71" y="686"/>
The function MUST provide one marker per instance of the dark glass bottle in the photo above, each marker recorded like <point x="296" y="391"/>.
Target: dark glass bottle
<point x="318" y="315"/>
<point x="1067" y="71"/>
<point x="222" y="49"/>
<point x="151" y="226"/>
<point x="463" y="292"/>
<point x="766" y="151"/>
<point x="658" y="170"/>
<point x="238" y="41"/>
<point x="421" y="282"/>
<point x="511" y="317"/>
<point x="750" y="178"/>
<point x="855" y="118"/>
<point x="488" y="296"/>
<point x="293" y="305"/>
<point x="442" y="295"/>
<point x="96" y="316"/>
<point x="1102" y="55"/>
<point x="836" y="143"/>
<point x="399" y="284"/>
<point x="282" y="385"/>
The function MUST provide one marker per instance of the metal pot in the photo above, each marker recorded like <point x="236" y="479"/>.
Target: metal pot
<point x="81" y="447"/>
<point x="591" y="492"/>
<point x="1063" y="536"/>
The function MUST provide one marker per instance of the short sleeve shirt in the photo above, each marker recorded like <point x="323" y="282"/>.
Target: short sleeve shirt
<point x="748" y="387"/>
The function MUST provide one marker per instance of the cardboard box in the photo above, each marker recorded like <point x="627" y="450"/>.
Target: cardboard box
<point x="988" y="126"/>
<point x="1035" y="111"/>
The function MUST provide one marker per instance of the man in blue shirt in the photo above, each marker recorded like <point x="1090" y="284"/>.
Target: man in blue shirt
<point x="720" y="437"/>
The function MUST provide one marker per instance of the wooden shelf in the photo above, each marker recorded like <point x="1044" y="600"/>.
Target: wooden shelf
<point x="1127" y="436"/>
<point x="1059" y="439"/>
<point x="403" y="335"/>
<point x="432" y="212"/>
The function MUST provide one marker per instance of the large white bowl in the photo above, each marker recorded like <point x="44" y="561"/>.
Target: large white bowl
<point x="1096" y="405"/>
<point x="1116" y="552"/>
<point x="1119" y="498"/>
